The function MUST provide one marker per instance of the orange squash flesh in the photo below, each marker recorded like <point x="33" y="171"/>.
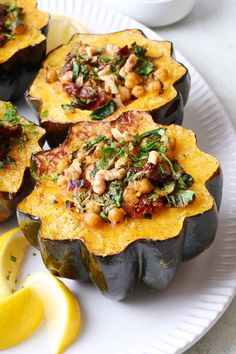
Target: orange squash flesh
<point x="58" y="223"/>
<point x="21" y="56"/>
<point x="166" y="108"/>
<point x="13" y="176"/>
<point x="35" y="20"/>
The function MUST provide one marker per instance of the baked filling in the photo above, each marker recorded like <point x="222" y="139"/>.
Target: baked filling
<point x="107" y="78"/>
<point x="117" y="175"/>
<point x="11" y="22"/>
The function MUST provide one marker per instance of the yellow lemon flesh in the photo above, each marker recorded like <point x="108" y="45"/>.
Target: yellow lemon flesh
<point x="60" y="307"/>
<point x="61" y="29"/>
<point x="20" y="315"/>
<point x="13" y="245"/>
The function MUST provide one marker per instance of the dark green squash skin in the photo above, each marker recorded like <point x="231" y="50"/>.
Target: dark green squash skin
<point x="153" y="262"/>
<point x="170" y="113"/>
<point x="9" y="201"/>
<point x="17" y="73"/>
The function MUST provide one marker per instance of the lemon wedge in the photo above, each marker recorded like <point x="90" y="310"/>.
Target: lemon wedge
<point x="13" y="245"/>
<point x="60" y="307"/>
<point x="20" y="315"/>
<point x="61" y="29"/>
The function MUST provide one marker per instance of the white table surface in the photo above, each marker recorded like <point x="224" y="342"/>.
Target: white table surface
<point x="207" y="37"/>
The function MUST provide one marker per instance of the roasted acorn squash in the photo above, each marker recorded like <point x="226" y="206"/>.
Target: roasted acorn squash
<point x="19" y="138"/>
<point x="23" y="30"/>
<point x="84" y="81"/>
<point x="116" y="256"/>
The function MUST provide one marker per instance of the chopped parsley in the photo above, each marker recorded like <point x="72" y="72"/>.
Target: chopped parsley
<point x="11" y="22"/>
<point x="90" y="145"/>
<point x="180" y="198"/>
<point x="44" y="114"/>
<point x="104" y="111"/>
<point x="68" y="108"/>
<point x="13" y="258"/>
<point x="144" y="184"/>
<point x="97" y="76"/>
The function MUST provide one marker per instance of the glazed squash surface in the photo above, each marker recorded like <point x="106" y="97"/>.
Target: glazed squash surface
<point x="35" y="20"/>
<point x="22" y="45"/>
<point x="59" y="223"/>
<point x="166" y="107"/>
<point x="15" y="153"/>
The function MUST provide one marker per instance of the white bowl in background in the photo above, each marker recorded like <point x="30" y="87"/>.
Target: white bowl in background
<point x="153" y="13"/>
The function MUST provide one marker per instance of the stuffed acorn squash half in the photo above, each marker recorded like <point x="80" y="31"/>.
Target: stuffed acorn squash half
<point x="23" y="30"/>
<point x="97" y="77"/>
<point x="122" y="201"/>
<point x="19" y="138"/>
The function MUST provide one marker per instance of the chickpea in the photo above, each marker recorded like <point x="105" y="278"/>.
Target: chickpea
<point x="93" y="207"/>
<point x="130" y="196"/>
<point x="21" y="29"/>
<point x="172" y="143"/>
<point x="138" y="91"/>
<point x="132" y="79"/>
<point x="92" y="219"/>
<point x="97" y="151"/>
<point x="50" y="75"/>
<point x="143" y="186"/>
<point x="154" y="86"/>
<point x="161" y="74"/>
<point x="116" y="215"/>
<point x="125" y="94"/>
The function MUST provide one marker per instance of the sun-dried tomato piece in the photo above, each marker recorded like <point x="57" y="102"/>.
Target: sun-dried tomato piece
<point x="123" y="51"/>
<point x="8" y="131"/>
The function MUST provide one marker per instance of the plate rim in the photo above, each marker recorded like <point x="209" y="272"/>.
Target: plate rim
<point x="231" y="285"/>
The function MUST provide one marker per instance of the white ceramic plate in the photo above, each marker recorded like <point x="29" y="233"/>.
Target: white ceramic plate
<point x="170" y="321"/>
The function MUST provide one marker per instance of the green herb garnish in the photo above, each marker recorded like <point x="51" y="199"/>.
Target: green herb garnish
<point x="138" y="50"/>
<point x="35" y="176"/>
<point x="68" y="108"/>
<point x="104" y="111"/>
<point x="144" y="67"/>
<point x="92" y="144"/>
<point x="13" y="258"/>
<point x="75" y="226"/>
<point x="107" y="59"/>
<point x="44" y="114"/>
<point x="180" y="198"/>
